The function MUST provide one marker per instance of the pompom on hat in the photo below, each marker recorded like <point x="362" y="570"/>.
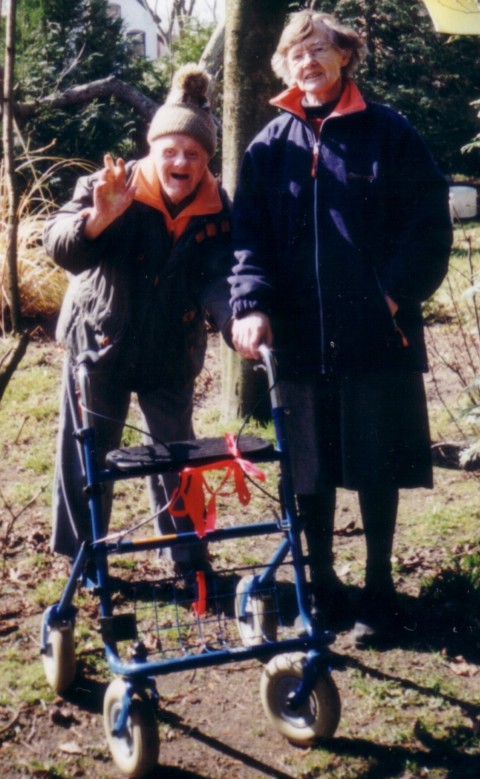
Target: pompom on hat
<point x="187" y="109"/>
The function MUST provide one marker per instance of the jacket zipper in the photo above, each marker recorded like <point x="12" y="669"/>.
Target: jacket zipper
<point x="316" y="154"/>
<point x="314" y="170"/>
<point x="316" y="149"/>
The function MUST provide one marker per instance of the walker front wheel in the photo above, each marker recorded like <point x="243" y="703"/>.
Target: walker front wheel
<point x="135" y="750"/>
<point x="255" y="614"/>
<point x="59" y="661"/>
<point x="315" y="718"/>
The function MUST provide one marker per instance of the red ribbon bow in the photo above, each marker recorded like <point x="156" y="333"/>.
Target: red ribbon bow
<point x="190" y="496"/>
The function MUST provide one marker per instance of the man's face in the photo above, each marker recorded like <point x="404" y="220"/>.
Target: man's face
<point x="180" y="162"/>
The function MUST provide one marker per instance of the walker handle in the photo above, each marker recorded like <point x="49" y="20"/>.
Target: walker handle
<point x="270" y="366"/>
<point x="83" y="380"/>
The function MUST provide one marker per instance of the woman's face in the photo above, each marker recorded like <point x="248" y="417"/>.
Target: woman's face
<point x="315" y="66"/>
<point x="180" y="162"/>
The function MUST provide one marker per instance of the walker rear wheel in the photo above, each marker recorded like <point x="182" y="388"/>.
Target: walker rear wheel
<point x="316" y="718"/>
<point x="59" y="661"/>
<point x="255" y="614"/>
<point x="135" y="750"/>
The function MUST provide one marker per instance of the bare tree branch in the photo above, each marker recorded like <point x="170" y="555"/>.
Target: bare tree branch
<point x="70" y="67"/>
<point x="111" y="86"/>
<point x="152" y="11"/>
<point x="163" y="34"/>
<point x="212" y="57"/>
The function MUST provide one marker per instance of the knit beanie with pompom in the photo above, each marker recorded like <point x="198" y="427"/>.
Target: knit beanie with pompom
<point x="187" y="109"/>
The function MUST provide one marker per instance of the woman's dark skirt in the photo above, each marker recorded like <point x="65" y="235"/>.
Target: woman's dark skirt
<point x="360" y="432"/>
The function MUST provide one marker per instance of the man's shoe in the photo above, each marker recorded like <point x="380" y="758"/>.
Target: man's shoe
<point x="380" y="620"/>
<point x="186" y="569"/>
<point x="193" y="577"/>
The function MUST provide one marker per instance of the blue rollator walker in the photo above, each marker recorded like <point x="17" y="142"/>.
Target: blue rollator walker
<point x="173" y="629"/>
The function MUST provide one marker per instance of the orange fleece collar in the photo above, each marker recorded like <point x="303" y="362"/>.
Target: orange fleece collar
<point x="207" y="201"/>
<point x="350" y="101"/>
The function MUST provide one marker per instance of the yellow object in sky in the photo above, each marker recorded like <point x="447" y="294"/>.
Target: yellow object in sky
<point x="457" y="17"/>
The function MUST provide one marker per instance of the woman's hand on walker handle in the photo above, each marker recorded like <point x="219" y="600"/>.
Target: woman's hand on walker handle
<point x="250" y="332"/>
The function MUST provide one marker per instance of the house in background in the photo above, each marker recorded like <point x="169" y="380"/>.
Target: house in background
<point x="139" y="27"/>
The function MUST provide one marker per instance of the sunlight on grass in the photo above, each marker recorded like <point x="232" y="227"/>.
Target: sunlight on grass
<point x="22" y="681"/>
<point x="442" y="522"/>
<point x="28" y="420"/>
<point x="48" y="591"/>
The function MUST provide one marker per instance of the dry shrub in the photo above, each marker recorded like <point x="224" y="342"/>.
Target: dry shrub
<point x="454" y="348"/>
<point x="41" y="283"/>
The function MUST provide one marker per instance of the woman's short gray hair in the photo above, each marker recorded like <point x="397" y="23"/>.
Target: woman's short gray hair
<point x="305" y="23"/>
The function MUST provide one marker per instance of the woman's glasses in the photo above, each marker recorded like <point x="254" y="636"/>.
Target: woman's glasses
<point x="317" y="51"/>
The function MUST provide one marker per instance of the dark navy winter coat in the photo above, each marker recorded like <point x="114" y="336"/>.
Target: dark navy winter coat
<point x="323" y="232"/>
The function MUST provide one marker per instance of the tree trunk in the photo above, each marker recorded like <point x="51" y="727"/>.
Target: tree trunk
<point x="252" y="31"/>
<point x="9" y="172"/>
<point x="12" y="358"/>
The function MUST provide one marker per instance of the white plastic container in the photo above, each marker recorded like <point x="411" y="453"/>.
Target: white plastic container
<point x="463" y="202"/>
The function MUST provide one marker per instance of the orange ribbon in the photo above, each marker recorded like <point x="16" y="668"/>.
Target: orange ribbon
<point x="189" y="499"/>
<point x="200" y="605"/>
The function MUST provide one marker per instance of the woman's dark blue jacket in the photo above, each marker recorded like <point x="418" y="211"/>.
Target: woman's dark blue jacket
<point x="323" y="232"/>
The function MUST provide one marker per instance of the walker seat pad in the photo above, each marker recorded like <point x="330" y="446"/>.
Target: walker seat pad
<point x="157" y="458"/>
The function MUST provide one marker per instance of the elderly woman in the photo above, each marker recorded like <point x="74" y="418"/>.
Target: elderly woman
<point x="341" y="230"/>
<point x="148" y="245"/>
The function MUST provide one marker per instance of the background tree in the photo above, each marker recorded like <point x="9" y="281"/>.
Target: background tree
<point x="14" y="354"/>
<point x="63" y="44"/>
<point x="80" y="88"/>
<point x="9" y="169"/>
<point x="173" y="17"/>
<point x="187" y="47"/>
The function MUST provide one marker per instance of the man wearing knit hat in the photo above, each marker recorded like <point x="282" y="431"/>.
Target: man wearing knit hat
<point x="148" y="244"/>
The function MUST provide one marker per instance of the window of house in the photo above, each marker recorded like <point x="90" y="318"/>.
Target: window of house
<point x="137" y="41"/>
<point x="114" y="10"/>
